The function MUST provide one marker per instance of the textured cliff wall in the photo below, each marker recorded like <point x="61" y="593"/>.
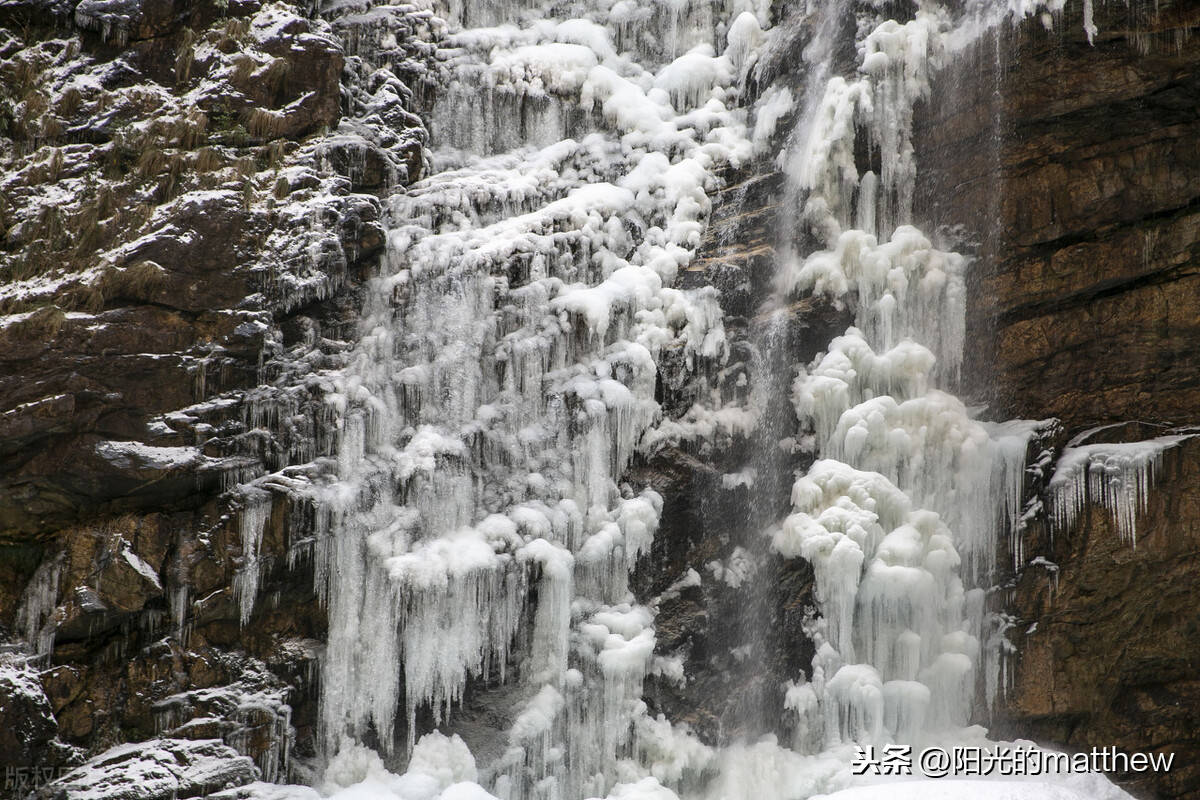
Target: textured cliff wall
<point x="191" y="195"/>
<point x="1076" y="167"/>
<point x="1113" y="658"/>
<point x="1075" y="171"/>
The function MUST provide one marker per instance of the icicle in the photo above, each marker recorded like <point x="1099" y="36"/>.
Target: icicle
<point x="808" y="730"/>
<point x="36" y="613"/>
<point x="906" y="289"/>
<point x="1089" y="25"/>
<point x="1116" y="475"/>
<point x="854" y="706"/>
<point x="254" y="516"/>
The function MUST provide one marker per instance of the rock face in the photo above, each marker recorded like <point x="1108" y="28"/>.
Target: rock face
<point x="1113" y="660"/>
<point x="165" y="768"/>
<point x="191" y="197"/>
<point x="1080" y="185"/>
<point x="1075" y="171"/>
<point x="173" y="223"/>
<point x="26" y="721"/>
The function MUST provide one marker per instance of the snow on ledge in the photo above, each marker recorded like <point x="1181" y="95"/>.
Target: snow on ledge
<point x="1117" y="475"/>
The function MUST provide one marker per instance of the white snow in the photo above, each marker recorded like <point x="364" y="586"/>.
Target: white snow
<point x="955" y="789"/>
<point x="135" y="455"/>
<point x="162" y="767"/>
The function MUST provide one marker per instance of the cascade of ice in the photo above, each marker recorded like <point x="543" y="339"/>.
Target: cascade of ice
<point x="911" y="486"/>
<point x="473" y="529"/>
<point x="474" y="524"/>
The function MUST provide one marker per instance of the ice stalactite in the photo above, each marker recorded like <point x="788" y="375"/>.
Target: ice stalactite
<point x="904" y="288"/>
<point x="1118" y="476"/>
<point x="897" y="62"/>
<point x="39" y="605"/>
<point x="913" y="497"/>
<point x="880" y="412"/>
<point x="253" y="519"/>
<point x="892" y="601"/>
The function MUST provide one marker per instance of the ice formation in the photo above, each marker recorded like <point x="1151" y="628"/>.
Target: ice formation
<point x="505" y="374"/>
<point x="39" y="606"/>
<point x="881" y="412"/>
<point x="903" y="516"/>
<point x="1117" y="475"/>
<point x="253" y="518"/>
<point x="472" y="526"/>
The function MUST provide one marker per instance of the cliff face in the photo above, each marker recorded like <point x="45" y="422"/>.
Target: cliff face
<point x="172" y="226"/>
<point x="1075" y="171"/>
<point x="191" y="195"/>
<point x="1113" y="658"/>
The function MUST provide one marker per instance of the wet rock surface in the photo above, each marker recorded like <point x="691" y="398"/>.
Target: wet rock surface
<point x="731" y="616"/>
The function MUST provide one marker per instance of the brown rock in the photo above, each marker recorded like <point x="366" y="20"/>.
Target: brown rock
<point x="1076" y="170"/>
<point x="1115" y="655"/>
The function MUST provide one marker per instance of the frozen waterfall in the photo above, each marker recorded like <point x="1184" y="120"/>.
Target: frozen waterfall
<point x="475" y="531"/>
